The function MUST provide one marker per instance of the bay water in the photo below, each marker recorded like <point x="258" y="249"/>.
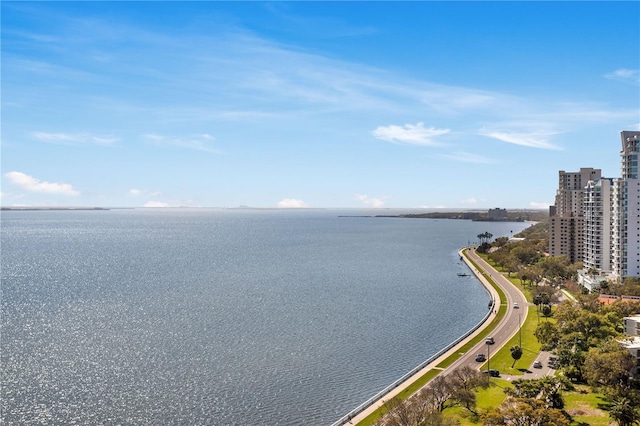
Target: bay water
<point x="223" y="316"/>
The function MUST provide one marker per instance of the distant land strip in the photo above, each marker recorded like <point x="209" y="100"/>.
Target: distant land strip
<point x="512" y="216"/>
<point x="52" y="208"/>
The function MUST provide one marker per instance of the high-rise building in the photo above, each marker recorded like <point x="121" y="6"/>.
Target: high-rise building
<point x="598" y="224"/>
<point x="629" y="206"/>
<point x="566" y="228"/>
<point x="611" y="209"/>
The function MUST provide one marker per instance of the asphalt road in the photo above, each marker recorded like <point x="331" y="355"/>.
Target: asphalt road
<point x="509" y="325"/>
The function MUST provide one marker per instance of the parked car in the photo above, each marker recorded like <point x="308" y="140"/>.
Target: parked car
<point x="492" y="373"/>
<point x="553" y="362"/>
<point x="537" y="364"/>
<point x="481" y="358"/>
<point x="489" y="341"/>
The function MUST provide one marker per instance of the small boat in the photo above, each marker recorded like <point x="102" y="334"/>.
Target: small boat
<point x="461" y="274"/>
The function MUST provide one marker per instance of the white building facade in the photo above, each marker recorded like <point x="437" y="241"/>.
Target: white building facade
<point x="611" y="219"/>
<point x="598" y="224"/>
<point x="629" y="206"/>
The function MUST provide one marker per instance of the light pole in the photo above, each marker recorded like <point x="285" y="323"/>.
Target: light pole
<point x="519" y="331"/>
<point x="488" y="358"/>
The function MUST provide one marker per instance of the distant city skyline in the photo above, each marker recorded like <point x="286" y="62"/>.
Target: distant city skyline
<point x="466" y="105"/>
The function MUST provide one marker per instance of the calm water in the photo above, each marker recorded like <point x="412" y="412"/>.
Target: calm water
<point x="223" y="317"/>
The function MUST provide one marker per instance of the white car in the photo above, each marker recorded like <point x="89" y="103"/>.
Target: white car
<point x="515" y="305"/>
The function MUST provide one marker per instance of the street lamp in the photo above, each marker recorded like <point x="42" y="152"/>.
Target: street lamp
<point x="519" y="331"/>
<point x="488" y="357"/>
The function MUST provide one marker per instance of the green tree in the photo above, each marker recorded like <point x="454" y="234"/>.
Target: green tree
<point x="516" y="354"/>
<point x="547" y="335"/>
<point x="608" y="365"/>
<point x="542" y="298"/>
<point x="625" y="412"/>
<point x="547" y="389"/>
<point x="524" y="412"/>
<point x="511" y="265"/>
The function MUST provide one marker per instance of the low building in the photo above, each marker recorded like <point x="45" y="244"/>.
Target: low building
<point x="633" y="346"/>
<point x="632" y="325"/>
<point x="498" y="213"/>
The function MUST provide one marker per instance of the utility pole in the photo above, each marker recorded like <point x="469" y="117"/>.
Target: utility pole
<point x="519" y="331"/>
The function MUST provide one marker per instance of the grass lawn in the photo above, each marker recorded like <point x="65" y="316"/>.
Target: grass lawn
<point x="485" y="399"/>
<point x="502" y="360"/>
<point x="585" y="407"/>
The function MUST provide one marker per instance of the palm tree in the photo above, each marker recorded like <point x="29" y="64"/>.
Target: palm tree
<point x="516" y="354"/>
<point x="485" y="237"/>
<point x="624" y="412"/>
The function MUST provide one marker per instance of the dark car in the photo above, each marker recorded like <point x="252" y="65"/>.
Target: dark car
<point x="492" y="373"/>
<point x="481" y="358"/>
<point x="537" y="364"/>
<point x="489" y="341"/>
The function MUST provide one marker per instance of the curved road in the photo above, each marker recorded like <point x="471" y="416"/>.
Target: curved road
<point x="509" y="325"/>
<point x="502" y="332"/>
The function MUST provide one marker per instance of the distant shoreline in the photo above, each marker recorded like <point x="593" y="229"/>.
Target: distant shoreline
<point x="50" y="208"/>
<point x="515" y="216"/>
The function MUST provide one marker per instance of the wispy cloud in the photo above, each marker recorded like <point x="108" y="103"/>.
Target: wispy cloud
<point x="143" y="192"/>
<point x="74" y="138"/>
<point x="537" y="205"/>
<point x="625" y="75"/>
<point x="292" y="203"/>
<point x="370" y="201"/>
<point x="411" y="134"/>
<point x="471" y="201"/>
<point x="32" y="184"/>
<point x="243" y="76"/>
<point x="534" y="139"/>
<point x="196" y="142"/>
<point x="467" y="157"/>
<point x="156" y="204"/>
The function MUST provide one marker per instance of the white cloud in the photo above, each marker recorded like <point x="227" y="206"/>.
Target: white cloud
<point x="433" y="207"/>
<point x="370" y="201"/>
<point x="138" y="192"/>
<point x="291" y="203"/>
<point x="409" y="134"/>
<point x="467" y="157"/>
<point x="626" y="75"/>
<point x="154" y="204"/>
<point x="535" y="139"/>
<point x="537" y="205"/>
<point x="196" y="142"/>
<point x="74" y="138"/>
<point x="32" y="184"/>
<point x="471" y="201"/>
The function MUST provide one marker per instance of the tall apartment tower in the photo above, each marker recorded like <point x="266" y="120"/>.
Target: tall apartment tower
<point x="628" y="239"/>
<point x="566" y="224"/>
<point x="599" y="224"/>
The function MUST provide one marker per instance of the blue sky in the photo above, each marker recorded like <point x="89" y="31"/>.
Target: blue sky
<point x="312" y="104"/>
